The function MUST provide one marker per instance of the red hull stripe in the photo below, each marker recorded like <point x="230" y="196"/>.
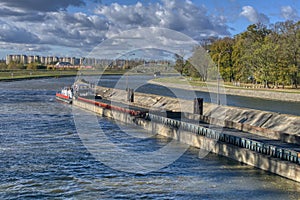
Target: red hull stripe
<point x="62" y="96"/>
<point x="111" y="107"/>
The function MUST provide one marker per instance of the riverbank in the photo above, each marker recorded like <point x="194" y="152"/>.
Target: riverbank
<point x="269" y="124"/>
<point x="16" y="75"/>
<point x="280" y="95"/>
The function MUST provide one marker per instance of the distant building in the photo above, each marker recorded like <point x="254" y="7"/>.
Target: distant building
<point x="16" y="58"/>
<point x="51" y="60"/>
<point x="81" y="61"/>
<point x="43" y="60"/>
<point x="36" y="59"/>
<point x="30" y="59"/>
<point x="63" y="65"/>
<point x="75" y="61"/>
<point x="23" y="59"/>
<point x="54" y="59"/>
<point x="8" y="59"/>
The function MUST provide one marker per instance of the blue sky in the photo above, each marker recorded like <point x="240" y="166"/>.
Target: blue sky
<point x="74" y="27"/>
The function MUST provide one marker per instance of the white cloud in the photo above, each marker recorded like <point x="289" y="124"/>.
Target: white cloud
<point x="253" y="16"/>
<point x="38" y="5"/>
<point x="14" y="34"/>
<point x="183" y="16"/>
<point x="77" y="30"/>
<point x="289" y="13"/>
<point x="44" y="24"/>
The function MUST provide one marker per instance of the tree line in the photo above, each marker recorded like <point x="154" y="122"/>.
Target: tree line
<point x="265" y="55"/>
<point x="20" y="66"/>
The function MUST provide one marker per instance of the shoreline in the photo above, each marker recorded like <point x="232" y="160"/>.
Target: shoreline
<point x="34" y="77"/>
<point x="85" y="73"/>
<point x="53" y="76"/>
<point x="263" y="94"/>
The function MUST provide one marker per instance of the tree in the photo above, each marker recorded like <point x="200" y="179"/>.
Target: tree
<point x="15" y="65"/>
<point x="249" y="54"/>
<point x="190" y="70"/>
<point x="261" y="54"/>
<point x="32" y="66"/>
<point x="241" y="65"/>
<point x="179" y="65"/>
<point x="221" y="53"/>
<point x="3" y="66"/>
<point x="265" y="62"/>
<point x="290" y="45"/>
<point x="200" y="63"/>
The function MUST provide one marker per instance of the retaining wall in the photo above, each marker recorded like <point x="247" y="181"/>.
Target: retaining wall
<point x="277" y="166"/>
<point x="269" y="124"/>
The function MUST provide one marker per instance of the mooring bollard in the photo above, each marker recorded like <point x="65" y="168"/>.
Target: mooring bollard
<point x="130" y="95"/>
<point x="198" y="106"/>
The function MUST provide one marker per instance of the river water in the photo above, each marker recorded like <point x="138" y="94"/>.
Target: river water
<point x="43" y="157"/>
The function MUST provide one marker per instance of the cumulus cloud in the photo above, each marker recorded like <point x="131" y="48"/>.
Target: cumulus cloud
<point x="253" y="16"/>
<point x="35" y="25"/>
<point x="289" y="13"/>
<point x="72" y="30"/>
<point x="13" y="34"/>
<point x="61" y="29"/>
<point x="49" y="23"/>
<point x="38" y="5"/>
<point x="36" y="48"/>
<point x="183" y="16"/>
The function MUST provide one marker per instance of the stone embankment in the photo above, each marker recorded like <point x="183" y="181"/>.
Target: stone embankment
<point x="263" y="94"/>
<point x="272" y="125"/>
<point x="260" y="139"/>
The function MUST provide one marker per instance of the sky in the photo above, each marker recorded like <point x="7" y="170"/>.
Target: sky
<point x="75" y="27"/>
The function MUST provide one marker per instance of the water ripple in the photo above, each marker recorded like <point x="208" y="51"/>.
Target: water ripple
<point x="42" y="157"/>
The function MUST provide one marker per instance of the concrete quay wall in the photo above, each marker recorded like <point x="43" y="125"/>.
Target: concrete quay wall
<point x="264" y="162"/>
<point x="269" y="124"/>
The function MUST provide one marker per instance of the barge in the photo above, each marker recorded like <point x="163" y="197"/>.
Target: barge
<point x="66" y="95"/>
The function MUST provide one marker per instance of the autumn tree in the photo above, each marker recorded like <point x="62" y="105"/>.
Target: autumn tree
<point x="221" y="53"/>
<point x="267" y="55"/>
<point x="179" y="64"/>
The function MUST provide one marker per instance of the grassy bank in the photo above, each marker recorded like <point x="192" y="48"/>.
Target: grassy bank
<point x="10" y="75"/>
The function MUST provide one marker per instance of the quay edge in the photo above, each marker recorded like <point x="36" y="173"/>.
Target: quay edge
<point x="265" y="162"/>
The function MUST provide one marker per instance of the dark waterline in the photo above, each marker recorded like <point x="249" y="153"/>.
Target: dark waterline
<point x="43" y="157"/>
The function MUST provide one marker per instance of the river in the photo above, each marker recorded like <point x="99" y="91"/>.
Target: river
<point x="43" y="157"/>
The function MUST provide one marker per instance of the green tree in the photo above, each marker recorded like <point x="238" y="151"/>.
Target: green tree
<point x="265" y="62"/>
<point x="249" y="54"/>
<point x="241" y="65"/>
<point x="289" y="32"/>
<point x="190" y="70"/>
<point x="200" y="63"/>
<point x="261" y="54"/>
<point x="221" y="53"/>
<point x="3" y="66"/>
<point x="179" y="64"/>
<point x="15" y="65"/>
<point x="32" y="66"/>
